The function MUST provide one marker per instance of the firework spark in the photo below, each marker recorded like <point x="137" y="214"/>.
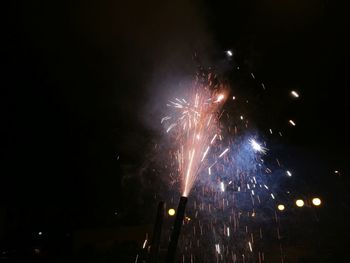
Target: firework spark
<point x="257" y="146"/>
<point x="194" y="128"/>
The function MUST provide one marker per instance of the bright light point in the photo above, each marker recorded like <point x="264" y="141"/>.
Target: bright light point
<point x="171" y="212"/>
<point x="229" y="53"/>
<point x="299" y="203"/>
<point x="241" y="117"/>
<point x="294" y="94"/>
<point x="289" y="173"/>
<point x="220" y="98"/>
<point x="217" y="247"/>
<point x="222" y="186"/>
<point x="233" y="97"/>
<point x="292" y="122"/>
<point x="316" y="201"/>
<point x="144" y="243"/>
<point x="40" y="233"/>
<point x="336" y="172"/>
<point x="281" y="207"/>
<point x="257" y="147"/>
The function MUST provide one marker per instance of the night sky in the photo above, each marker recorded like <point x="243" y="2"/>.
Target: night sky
<point x="83" y="84"/>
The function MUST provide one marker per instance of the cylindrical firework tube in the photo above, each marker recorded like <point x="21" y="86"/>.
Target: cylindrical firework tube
<point x="180" y="213"/>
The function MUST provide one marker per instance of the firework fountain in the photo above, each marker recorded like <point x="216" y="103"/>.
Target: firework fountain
<point x="193" y="128"/>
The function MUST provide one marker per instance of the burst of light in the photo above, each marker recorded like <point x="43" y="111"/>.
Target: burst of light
<point x="316" y="201"/>
<point x="292" y="122"/>
<point x="256" y="146"/>
<point x="192" y="125"/>
<point x="220" y="98"/>
<point x="40" y="233"/>
<point x="229" y="53"/>
<point x="294" y="94"/>
<point x="171" y="212"/>
<point x="289" y="173"/>
<point x="233" y="97"/>
<point x="281" y="207"/>
<point x="299" y="203"/>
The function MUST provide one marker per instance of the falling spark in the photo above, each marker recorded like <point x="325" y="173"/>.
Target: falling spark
<point x="229" y="53"/>
<point x="250" y="247"/>
<point x="217" y="248"/>
<point x="144" y="243"/>
<point x="292" y="122"/>
<point x="233" y="97"/>
<point x="289" y="173"/>
<point x="223" y="153"/>
<point x="241" y="117"/>
<point x="222" y="186"/>
<point x="212" y="140"/>
<point x="294" y="94"/>
<point x="205" y="153"/>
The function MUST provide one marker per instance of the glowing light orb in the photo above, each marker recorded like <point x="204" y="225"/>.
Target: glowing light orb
<point x="171" y="212"/>
<point x="280" y="207"/>
<point x="299" y="203"/>
<point x="316" y="201"/>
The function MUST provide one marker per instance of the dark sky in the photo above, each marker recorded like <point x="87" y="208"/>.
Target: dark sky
<point x="79" y="81"/>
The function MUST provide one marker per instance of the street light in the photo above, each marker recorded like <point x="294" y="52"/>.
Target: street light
<point x="316" y="201"/>
<point x="280" y="207"/>
<point x="171" y="212"/>
<point x="299" y="203"/>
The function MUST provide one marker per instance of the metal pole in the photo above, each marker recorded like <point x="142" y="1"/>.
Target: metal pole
<point x="180" y="213"/>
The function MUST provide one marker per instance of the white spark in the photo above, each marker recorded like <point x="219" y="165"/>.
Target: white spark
<point x="222" y="186"/>
<point x="250" y="246"/>
<point x="222" y="154"/>
<point x="294" y="94"/>
<point x="256" y="146"/>
<point x="289" y="173"/>
<point x="292" y="122"/>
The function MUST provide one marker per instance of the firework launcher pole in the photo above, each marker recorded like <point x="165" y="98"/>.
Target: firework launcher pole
<point x="180" y="213"/>
<point x="157" y="233"/>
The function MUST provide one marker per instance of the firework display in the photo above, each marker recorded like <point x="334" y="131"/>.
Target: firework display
<point x="224" y="169"/>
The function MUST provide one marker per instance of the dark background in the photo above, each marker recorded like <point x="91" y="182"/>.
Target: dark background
<point x="79" y="105"/>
